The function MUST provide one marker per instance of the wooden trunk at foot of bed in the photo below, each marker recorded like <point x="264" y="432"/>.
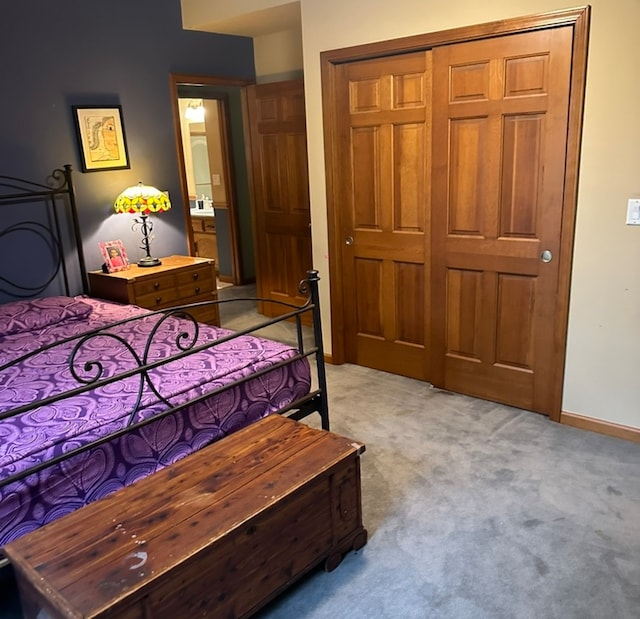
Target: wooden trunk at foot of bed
<point x="220" y="533"/>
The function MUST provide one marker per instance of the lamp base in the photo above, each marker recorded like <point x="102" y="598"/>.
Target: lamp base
<point x="148" y="261"/>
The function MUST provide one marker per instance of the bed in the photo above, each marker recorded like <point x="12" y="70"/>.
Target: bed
<point x="95" y="395"/>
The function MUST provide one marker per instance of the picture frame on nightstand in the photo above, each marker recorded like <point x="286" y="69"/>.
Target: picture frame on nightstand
<point x="114" y="255"/>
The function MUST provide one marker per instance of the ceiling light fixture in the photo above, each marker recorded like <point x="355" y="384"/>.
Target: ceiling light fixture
<point x="195" y="111"/>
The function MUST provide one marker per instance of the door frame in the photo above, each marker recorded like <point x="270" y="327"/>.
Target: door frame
<point x="180" y="79"/>
<point x="577" y="18"/>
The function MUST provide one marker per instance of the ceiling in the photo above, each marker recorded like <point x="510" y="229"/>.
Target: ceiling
<point x="257" y="23"/>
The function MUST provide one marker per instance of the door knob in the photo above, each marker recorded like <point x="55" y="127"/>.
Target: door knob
<point x="546" y="256"/>
<point x="349" y="240"/>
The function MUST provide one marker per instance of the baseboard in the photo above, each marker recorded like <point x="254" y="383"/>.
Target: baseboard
<point x="601" y="427"/>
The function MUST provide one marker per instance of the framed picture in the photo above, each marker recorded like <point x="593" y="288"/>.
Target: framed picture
<point x="101" y="137"/>
<point x="115" y="257"/>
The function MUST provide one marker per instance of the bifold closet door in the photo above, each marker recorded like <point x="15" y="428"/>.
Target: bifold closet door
<point x="500" y="111"/>
<point x="384" y="113"/>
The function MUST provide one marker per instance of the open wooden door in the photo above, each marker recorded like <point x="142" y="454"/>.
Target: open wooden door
<point x="282" y="219"/>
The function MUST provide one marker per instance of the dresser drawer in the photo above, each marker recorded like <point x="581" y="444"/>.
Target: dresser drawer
<point x="158" y="300"/>
<point x="202" y="275"/>
<point x="158" y="284"/>
<point x="197" y="223"/>
<point x="204" y="224"/>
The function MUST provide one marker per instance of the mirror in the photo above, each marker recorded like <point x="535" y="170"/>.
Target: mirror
<point x="199" y="182"/>
<point x="205" y="162"/>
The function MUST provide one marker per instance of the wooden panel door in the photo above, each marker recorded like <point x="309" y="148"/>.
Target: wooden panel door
<point x="281" y="191"/>
<point x="500" y="113"/>
<point x="384" y="111"/>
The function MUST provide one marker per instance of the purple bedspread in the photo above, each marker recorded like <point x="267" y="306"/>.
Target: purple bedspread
<point x="47" y="431"/>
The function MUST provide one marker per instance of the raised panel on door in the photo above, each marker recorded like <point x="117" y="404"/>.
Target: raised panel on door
<point x="369" y="283"/>
<point x="500" y="120"/>
<point x="464" y="305"/>
<point x="410" y="281"/>
<point x="515" y="300"/>
<point x="384" y="107"/>
<point x="281" y="191"/>
<point x="284" y="282"/>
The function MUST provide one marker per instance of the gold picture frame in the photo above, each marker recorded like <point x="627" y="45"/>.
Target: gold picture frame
<point x="101" y="138"/>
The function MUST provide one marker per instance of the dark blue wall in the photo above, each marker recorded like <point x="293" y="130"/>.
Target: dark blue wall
<point x="55" y="54"/>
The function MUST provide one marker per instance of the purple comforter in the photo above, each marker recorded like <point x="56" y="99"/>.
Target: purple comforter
<point x="47" y="431"/>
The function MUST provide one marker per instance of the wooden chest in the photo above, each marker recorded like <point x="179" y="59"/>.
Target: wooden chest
<point x="217" y="534"/>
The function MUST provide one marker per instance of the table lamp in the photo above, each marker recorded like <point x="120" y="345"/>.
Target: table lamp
<point x="143" y="199"/>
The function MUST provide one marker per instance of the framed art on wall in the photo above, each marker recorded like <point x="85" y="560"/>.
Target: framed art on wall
<point x="115" y="257"/>
<point x="101" y="138"/>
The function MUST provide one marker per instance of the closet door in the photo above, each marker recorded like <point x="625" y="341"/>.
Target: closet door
<point x="384" y="113"/>
<point x="500" y="112"/>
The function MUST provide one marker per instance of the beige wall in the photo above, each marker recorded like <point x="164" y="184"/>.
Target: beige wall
<point x="278" y="56"/>
<point x="242" y="17"/>
<point x="273" y="24"/>
<point x="602" y="378"/>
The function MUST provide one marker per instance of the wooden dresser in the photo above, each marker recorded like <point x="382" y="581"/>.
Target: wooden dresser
<point x="217" y="534"/>
<point x="177" y="281"/>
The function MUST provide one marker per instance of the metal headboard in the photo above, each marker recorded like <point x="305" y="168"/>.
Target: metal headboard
<point x="60" y="216"/>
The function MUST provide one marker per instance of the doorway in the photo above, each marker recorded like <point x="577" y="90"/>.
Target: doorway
<point x="444" y="241"/>
<point x="209" y="118"/>
<point x="269" y="236"/>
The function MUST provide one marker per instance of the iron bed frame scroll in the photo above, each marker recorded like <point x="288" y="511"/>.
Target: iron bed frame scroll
<point x="59" y="200"/>
<point x="90" y="375"/>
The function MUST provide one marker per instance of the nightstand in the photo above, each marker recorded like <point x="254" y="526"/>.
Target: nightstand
<point x="179" y="280"/>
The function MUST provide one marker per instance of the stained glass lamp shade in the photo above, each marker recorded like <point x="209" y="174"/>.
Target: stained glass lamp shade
<point x="142" y="200"/>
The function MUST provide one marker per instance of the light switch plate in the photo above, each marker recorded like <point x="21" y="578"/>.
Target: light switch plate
<point x="633" y="212"/>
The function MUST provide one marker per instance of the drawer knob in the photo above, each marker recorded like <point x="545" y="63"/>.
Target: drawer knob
<point x="197" y="289"/>
<point x="196" y="275"/>
<point x="158" y="299"/>
<point x="156" y="285"/>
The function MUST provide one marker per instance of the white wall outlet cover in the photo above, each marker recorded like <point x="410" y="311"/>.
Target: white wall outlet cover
<point x="633" y="212"/>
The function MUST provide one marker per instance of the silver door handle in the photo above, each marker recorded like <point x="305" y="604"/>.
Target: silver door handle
<point x="349" y="240"/>
<point x="546" y="256"/>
